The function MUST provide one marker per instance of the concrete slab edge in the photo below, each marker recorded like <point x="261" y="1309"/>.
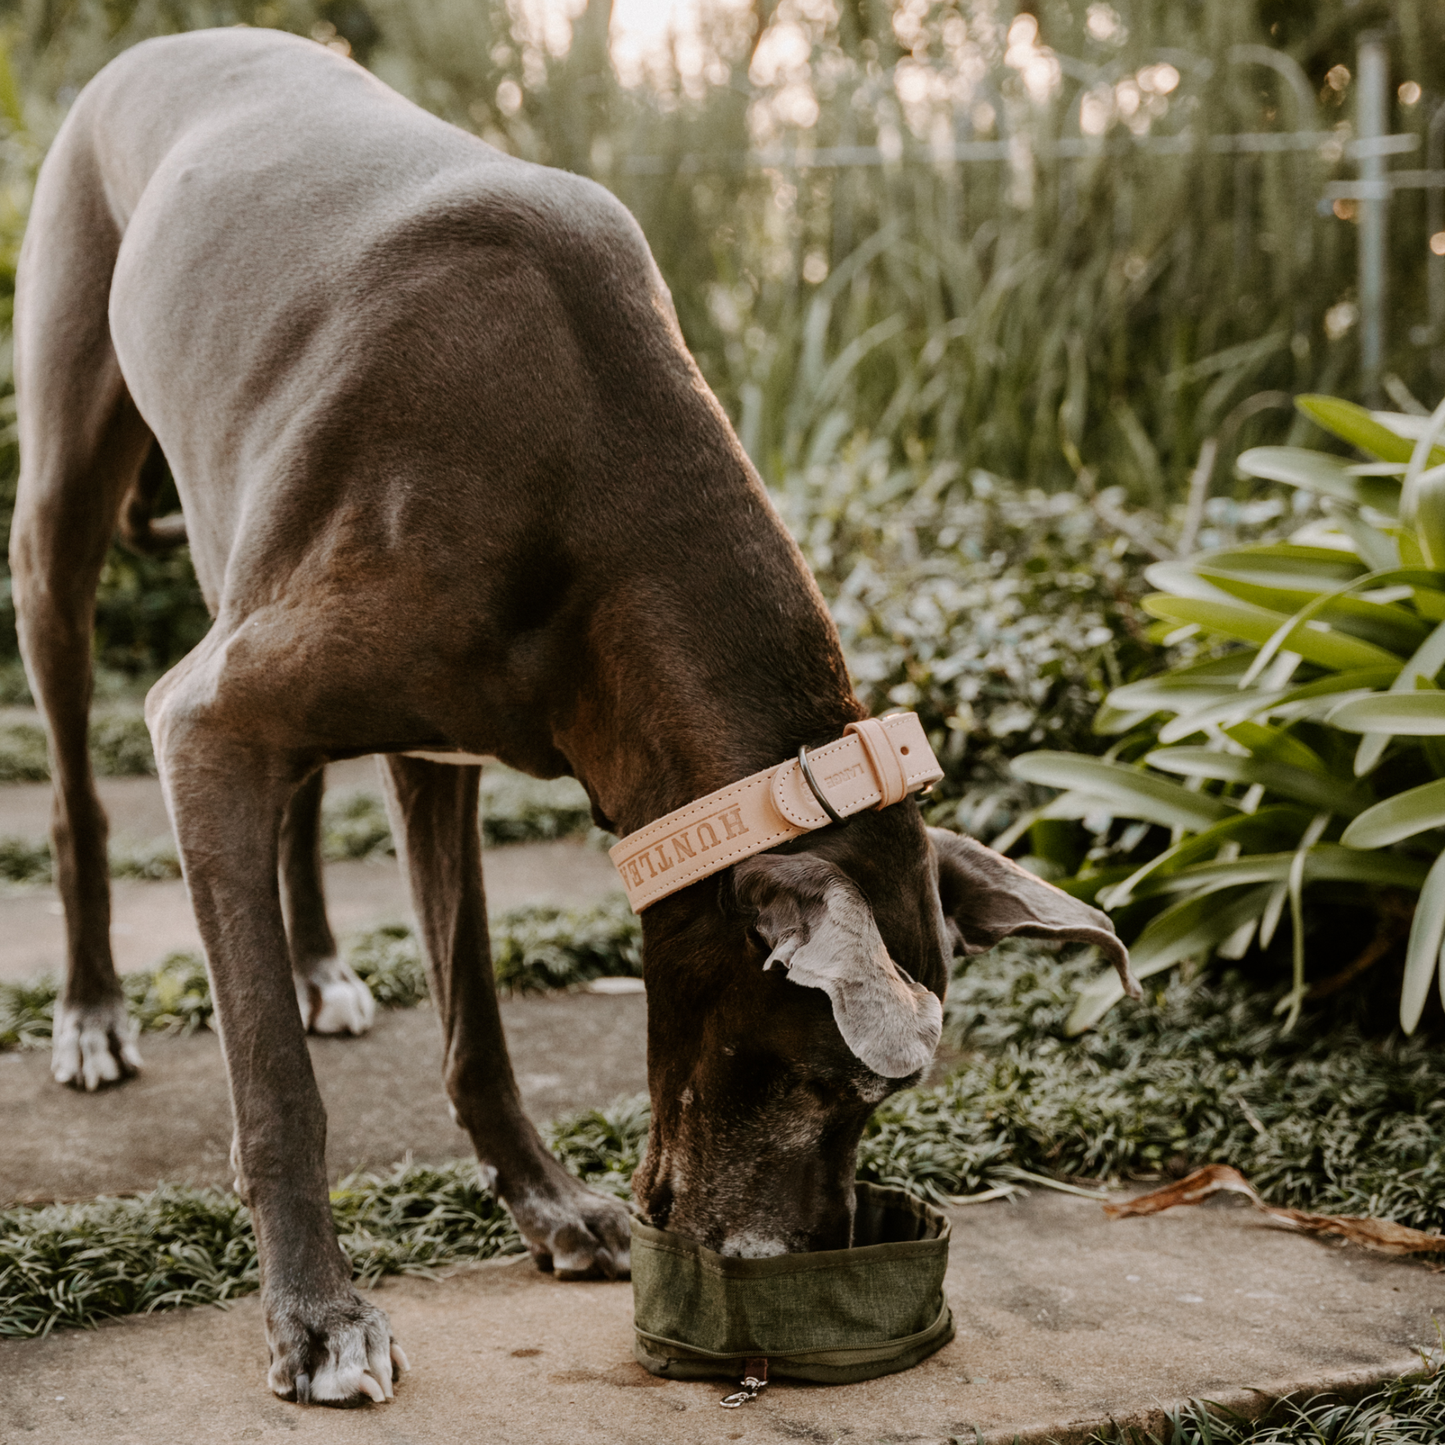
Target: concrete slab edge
<point x="1255" y="1403"/>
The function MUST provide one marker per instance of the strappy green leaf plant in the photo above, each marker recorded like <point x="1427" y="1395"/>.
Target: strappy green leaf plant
<point x="1302" y="751"/>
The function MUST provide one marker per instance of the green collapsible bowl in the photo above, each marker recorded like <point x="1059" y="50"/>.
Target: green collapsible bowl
<point x="835" y="1316"/>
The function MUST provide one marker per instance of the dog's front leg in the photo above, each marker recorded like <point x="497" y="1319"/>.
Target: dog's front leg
<point x="569" y="1228"/>
<point x="226" y="798"/>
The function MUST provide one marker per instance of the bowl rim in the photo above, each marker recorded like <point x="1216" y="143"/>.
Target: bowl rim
<point x="734" y="1267"/>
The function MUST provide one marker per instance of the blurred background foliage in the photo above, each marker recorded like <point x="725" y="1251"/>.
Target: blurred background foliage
<point x="978" y="386"/>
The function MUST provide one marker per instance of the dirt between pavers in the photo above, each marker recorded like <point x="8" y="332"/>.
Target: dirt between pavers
<point x="1065" y="1320"/>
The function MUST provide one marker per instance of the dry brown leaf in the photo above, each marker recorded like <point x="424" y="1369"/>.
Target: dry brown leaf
<point x="1381" y="1234"/>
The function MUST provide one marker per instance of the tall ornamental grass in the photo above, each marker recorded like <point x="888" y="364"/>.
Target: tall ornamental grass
<point x="1046" y="319"/>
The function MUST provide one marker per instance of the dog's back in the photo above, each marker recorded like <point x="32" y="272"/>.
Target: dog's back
<point x="379" y="354"/>
<point x="306" y="260"/>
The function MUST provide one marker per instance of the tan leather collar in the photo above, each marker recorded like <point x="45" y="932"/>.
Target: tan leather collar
<point x="875" y="764"/>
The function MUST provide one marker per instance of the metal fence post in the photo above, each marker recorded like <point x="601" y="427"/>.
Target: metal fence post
<point x="1434" y="226"/>
<point x="1371" y="125"/>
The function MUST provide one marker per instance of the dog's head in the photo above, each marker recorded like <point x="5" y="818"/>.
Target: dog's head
<point x="790" y="996"/>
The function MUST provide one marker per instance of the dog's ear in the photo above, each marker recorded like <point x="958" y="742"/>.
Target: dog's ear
<point x="987" y="897"/>
<point x="821" y="929"/>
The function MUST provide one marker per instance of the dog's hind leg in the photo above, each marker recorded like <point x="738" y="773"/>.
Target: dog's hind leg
<point x="332" y="999"/>
<point x="568" y="1227"/>
<point x="82" y="443"/>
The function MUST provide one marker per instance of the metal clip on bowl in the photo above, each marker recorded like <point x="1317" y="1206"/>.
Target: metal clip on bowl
<point x="755" y="1381"/>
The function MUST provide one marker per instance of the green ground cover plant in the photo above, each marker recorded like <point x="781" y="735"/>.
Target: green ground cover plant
<point x="1338" y="1116"/>
<point x="1002" y="617"/>
<point x="1403" y="1412"/>
<point x="514" y="807"/>
<point x="519" y="809"/>
<point x="1306" y="729"/>
<point x="28" y="861"/>
<point x="120" y="747"/>
<point x="1327" y="1118"/>
<point x="534" y="949"/>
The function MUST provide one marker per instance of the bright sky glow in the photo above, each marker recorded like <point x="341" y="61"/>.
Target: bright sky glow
<point x="645" y="23"/>
<point x="639" y="27"/>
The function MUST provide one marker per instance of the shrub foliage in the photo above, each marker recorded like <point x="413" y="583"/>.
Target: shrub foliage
<point x="1307" y="736"/>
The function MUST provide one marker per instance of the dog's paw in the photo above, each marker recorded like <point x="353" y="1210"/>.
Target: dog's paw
<point x="93" y="1044"/>
<point x="339" y="1353"/>
<point x="333" y="1000"/>
<point x="575" y="1232"/>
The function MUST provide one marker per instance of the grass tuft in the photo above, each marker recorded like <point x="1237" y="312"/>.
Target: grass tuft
<point x="120" y="747"/>
<point x="534" y="949"/>
<point x="149" y="860"/>
<point x="540" y="948"/>
<point x="27" y="1012"/>
<point x="24" y="860"/>
<point x="77" y="1264"/>
<point x="418" y="1218"/>
<point x="1404" y="1412"/>
<point x="355" y="825"/>
<point x="514" y="809"/>
<point x="174" y="997"/>
<point x="73" y="1265"/>
<point x="29" y="860"/>
<point x="603" y="1146"/>
<point x="22" y="753"/>
<point x="520" y="809"/>
<point x="389" y="959"/>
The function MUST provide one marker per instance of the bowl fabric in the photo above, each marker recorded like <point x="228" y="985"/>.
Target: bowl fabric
<point x="834" y="1316"/>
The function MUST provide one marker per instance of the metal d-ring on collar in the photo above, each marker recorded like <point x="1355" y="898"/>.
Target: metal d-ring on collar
<point x="818" y="793"/>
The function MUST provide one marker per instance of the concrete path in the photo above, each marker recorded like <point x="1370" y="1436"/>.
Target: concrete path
<point x="383" y="1095"/>
<point x="1065" y="1322"/>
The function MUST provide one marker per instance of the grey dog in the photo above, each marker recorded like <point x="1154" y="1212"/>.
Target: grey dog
<point x="453" y="486"/>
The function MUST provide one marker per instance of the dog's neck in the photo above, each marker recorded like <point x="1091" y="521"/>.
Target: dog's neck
<point x="669" y="714"/>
